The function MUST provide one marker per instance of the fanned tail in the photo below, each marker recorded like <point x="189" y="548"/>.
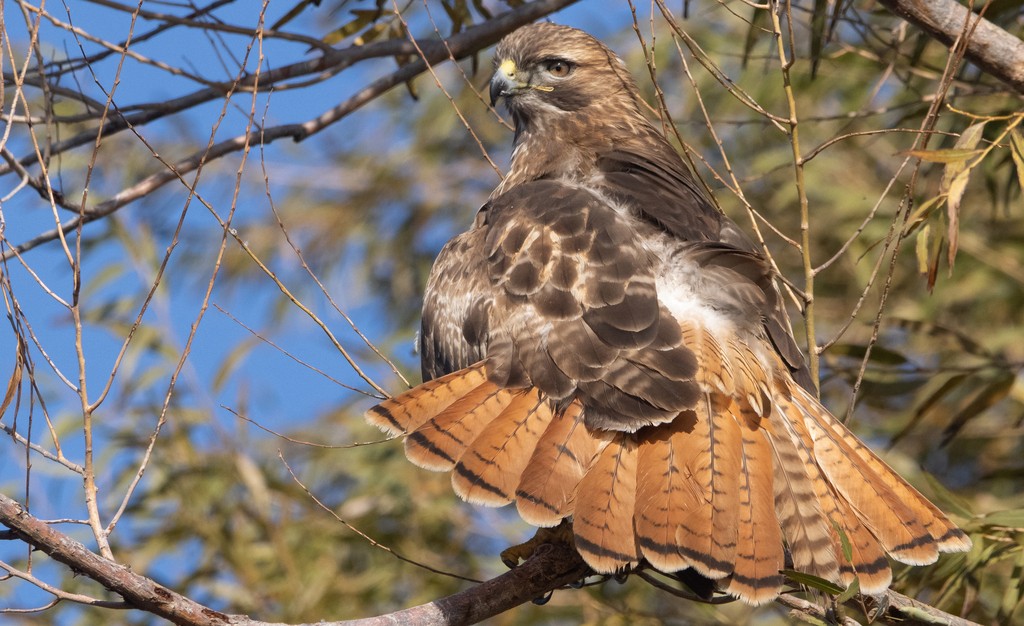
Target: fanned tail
<point x="909" y="527"/>
<point x="756" y="465"/>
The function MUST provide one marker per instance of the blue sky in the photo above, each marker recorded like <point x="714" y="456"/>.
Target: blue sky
<point x="280" y="393"/>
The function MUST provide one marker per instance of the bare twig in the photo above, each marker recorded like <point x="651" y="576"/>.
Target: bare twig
<point x="464" y="44"/>
<point x="226" y="228"/>
<point x="373" y="542"/>
<point x="60" y="594"/>
<point x="785" y="63"/>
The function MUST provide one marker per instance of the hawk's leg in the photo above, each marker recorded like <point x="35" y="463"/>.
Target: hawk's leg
<point x="562" y="533"/>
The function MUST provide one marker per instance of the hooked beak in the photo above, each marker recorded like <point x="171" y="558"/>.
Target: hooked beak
<point x="505" y="82"/>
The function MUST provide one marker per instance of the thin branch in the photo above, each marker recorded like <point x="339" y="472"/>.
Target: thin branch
<point x="373" y="542"/>
<point x="460" y="46"/>
<point x="800" y="608"/>
<point x="897" y="230"/>
<point x="60" y="594"/>
<point x="226" y="229"/>
<point x="785" y="63"/>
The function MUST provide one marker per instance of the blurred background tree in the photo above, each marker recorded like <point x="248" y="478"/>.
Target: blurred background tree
<point x="218" y="218"/>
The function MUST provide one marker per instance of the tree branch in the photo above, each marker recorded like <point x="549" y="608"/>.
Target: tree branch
<point x="136" y="590"/>
<point x="552" y="566"/>
<point x="991" y="48"/>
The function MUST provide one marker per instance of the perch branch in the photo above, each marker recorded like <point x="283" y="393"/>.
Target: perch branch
<point x="551" y="567"/>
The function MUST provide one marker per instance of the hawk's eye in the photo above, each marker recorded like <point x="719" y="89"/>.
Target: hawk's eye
<point x="559" y="68"/>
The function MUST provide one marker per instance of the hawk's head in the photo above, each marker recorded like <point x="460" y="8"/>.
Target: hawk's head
<point x="547" y="68"/>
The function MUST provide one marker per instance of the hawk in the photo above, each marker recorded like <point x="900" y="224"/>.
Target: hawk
<point x="604" y="345"/>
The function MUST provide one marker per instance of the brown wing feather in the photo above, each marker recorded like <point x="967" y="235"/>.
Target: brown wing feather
<point x="577" y="315"/>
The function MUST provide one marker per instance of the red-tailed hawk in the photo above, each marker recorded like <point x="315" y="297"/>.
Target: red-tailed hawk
<point x="604" y="345"/>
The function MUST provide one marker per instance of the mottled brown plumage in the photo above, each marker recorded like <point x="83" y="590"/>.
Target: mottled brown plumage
<point x="603" y="344"/>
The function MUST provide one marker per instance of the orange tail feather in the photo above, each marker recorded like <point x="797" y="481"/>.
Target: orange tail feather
<point x="603" y="518"/>
<point x="489" y="470"/>
<point x="549" y="484"/>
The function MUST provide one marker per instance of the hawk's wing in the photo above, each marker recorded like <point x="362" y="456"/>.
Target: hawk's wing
<point x="556" y="291"/>
<point x="658" y="186"/>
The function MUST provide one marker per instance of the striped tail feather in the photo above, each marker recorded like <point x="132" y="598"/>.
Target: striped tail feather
<point x="603" y="516"/>
<point x="408" y="411"/>
<point x="804" y="515"/>
<point x="549" y="484"/>
<point x="945" y="535"/>
<point x="714" y="369"/>
<point x="723" y="456"/>
<point x="867" y="560"/>
<point x="707" y="534"/>
<point x="438" y="444"/>
<point x="756" y="577"/>
<point x="668" y="492"/>
<point x="490" y="469"/>
<point x="908" y="526"/>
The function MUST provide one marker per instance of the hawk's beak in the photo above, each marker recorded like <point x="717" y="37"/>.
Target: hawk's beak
<point x="505" y="81"/>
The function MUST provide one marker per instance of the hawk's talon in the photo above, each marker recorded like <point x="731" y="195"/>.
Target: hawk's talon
<point x="517" y="554"/>
<point x="544" y="599"/>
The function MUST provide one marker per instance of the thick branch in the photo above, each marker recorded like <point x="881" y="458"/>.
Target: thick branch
<point x="137" y="590"/>
<point x="551" y="567"/>
<point x="991" y="48"/>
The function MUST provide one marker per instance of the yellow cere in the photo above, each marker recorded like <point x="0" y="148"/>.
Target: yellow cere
<point x="508" y="68"/>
